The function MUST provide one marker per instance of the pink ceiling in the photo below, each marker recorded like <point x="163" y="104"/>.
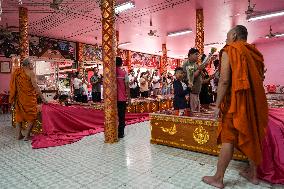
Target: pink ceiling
<point x="80" y="21"/>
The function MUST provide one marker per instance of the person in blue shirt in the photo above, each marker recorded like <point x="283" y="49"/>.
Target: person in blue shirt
<point x="180" y="91"/>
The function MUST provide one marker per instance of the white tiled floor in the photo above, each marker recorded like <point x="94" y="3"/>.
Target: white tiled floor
<point x="90" y="163"/>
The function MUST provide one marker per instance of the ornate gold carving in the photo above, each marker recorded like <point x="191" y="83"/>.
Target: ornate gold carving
<point x="178" y="119"/>
<point x="199" y="40"/>
<point x="142" y="109"/>
<point x="80" y="58"/>
<point x="194" y="148"/>
<point x="153" y="106"/>
<point x="177" y="140"/>
<point x="170" y="131"/>
<point x="109" y="71"/>
<point x="163" y="66"/>
<point x="23" y="32"/>
<point x="200" y="135"/>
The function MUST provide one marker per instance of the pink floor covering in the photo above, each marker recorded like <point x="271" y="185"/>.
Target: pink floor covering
<point x="64" y="125"/>
<point x="272" y="167"/>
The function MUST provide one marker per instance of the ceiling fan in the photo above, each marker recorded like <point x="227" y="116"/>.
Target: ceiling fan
<point x="158" y="52"/>
<point x="250" y="10"/>
<point x="272" y="34"/>
<point x="152" y="32"/>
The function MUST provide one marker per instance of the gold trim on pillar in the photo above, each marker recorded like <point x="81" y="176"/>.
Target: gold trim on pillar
<point x="164" y="59"/>
<point x="80" y="58"/>
<point x="23" y="30"/>
<point x="109" y="82"/>
<point x="199" y="40"/>
<point x="128" y="60"/>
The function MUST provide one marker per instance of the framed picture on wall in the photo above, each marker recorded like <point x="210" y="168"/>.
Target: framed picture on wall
<point x="5" y="67"/>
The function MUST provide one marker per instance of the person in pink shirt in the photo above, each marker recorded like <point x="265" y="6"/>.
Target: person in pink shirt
<point x="123" y="95"/>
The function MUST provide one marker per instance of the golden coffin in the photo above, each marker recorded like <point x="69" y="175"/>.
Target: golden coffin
<point x="195" y="134"/>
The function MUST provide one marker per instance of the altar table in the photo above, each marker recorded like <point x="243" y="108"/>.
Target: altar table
<point x="199" y="134"/>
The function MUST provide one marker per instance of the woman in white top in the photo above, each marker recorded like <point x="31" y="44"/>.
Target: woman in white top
<point x="85" y="90"/>
<point x="156" y="83"/>
<point x="77" y="83"/>
<point x="144" y="85"/>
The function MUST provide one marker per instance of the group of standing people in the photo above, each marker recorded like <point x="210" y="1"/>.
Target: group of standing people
<point x="194" y="82"/>
<point x="123" y="92"/>
<point x="81" y="85"/>
<point x="150" y="84"/>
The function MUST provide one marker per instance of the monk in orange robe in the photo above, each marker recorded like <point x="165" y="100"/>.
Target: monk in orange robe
<point x="23" y="97"/>
<point x="242" y="104"/>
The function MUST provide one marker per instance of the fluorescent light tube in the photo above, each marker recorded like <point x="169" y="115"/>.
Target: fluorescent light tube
<point x="279" y="35"/>
<point x="275" y="35"/>
<point x="124" y="7"/>
<point x="172" y="34"/>
<point x="212" y="44"/>
<point x="265" y="16"/>
<point x="123" y="44"/>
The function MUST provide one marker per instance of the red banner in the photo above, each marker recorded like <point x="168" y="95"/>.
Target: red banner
<point x="172" y="63"/>
<point x="138" y="59"/>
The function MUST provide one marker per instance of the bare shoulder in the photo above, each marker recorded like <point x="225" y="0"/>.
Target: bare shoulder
<point x="225" y="55"/>
<point x="224" y="58"/>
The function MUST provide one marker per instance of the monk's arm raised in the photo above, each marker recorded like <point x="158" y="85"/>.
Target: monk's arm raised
<point x="225" y="77"/>
<point x="34" y="83"/>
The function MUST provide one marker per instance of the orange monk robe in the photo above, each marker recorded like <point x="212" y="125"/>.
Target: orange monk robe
<point x="23" y="94"/>
<point x="244" y="107"/>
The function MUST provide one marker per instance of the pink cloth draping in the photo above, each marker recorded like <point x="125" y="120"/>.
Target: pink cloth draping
<point x="272" y="166"/>
<point x="67" y="124"/>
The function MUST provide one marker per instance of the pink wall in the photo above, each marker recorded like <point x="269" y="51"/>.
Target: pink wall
<point x="273" y="53"/>
<point x="4" y="77"/>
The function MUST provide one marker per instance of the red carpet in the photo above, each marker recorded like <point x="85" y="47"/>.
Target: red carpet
<point x="67" y="124"/>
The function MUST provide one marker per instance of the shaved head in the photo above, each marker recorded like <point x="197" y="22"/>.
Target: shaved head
<point x="241" y="31"/>
<point x="26" y="62"/>
<point x="238" y="33"/>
